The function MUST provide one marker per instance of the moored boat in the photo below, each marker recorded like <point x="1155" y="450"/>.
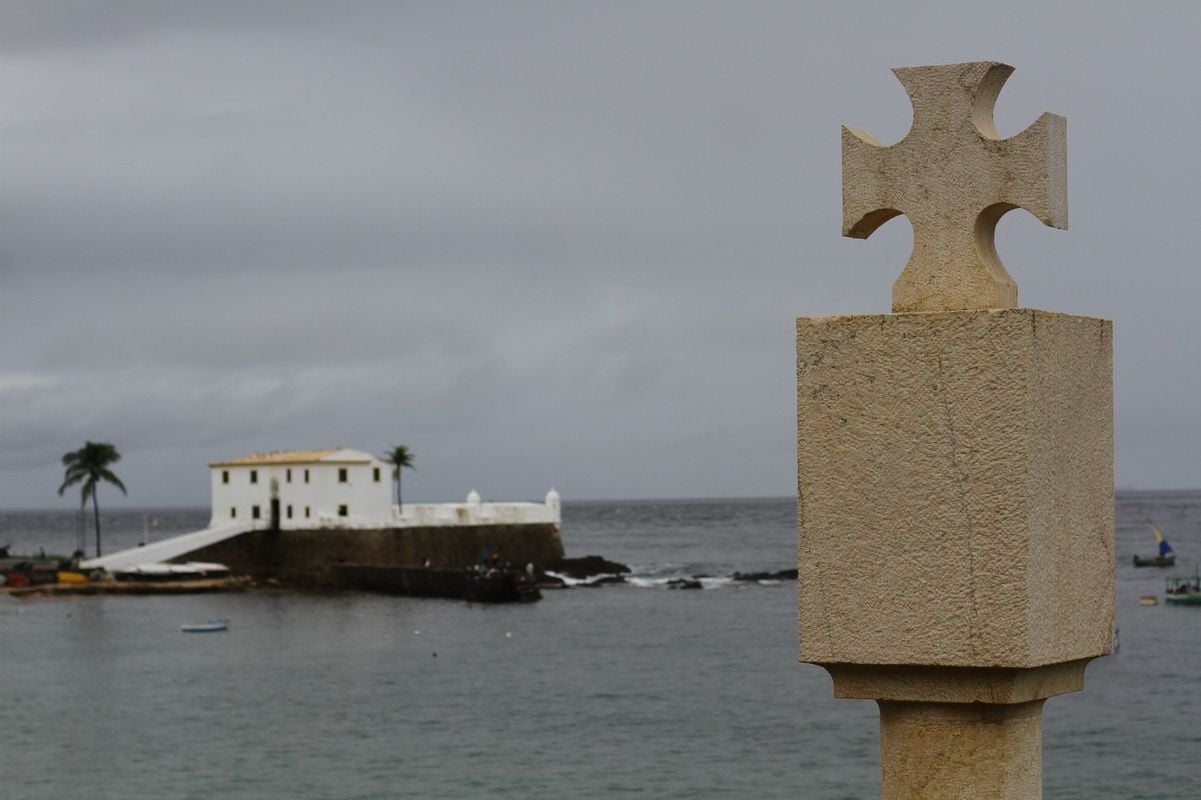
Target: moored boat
<point x="144" y="572"/>
<point x="212" y="626"/>
<point x="190" y="571"/>
<point x="1166" y="557"/>
<point x="1183" y="590"/>
<point x="208" y="569"/>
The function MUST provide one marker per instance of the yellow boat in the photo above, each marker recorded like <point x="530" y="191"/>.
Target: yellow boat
<point x="65" y="576"/>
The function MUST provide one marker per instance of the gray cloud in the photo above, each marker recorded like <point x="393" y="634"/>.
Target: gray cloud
<point x="541" y="243"/>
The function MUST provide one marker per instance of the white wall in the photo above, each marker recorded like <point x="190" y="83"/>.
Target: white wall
<point x="368" y="500"/>
<point x="476" y="512"/>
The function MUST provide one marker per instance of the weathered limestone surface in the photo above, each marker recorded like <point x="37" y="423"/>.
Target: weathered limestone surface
<point x="954" y="178"/>
<point x="939" y="684"/>
<point x="951" y="751"/>
<point x="955" y="488"/>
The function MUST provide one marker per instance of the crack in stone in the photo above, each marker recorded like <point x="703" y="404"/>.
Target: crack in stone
<point x="961" y="485"/>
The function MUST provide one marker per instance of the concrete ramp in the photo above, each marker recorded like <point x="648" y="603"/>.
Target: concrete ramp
<point x="167" y="549"/>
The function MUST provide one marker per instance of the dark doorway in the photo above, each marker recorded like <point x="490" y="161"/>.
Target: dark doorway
<point x="274" y="513"/>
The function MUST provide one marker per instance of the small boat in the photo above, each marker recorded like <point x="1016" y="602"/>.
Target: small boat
<point x="1183" y="590"/>
<point x="144" y="572"/>
<point x="212" y="626"/>
<point x="1166" y="557"/>
<point x="1148" y="600"/>
<point x="208" y="569"/>
<point x="190" y="571"/>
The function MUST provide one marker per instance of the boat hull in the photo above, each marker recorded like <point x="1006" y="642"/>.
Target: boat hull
<point x="1183" y="591"/>
<point x="1190" y="599"/>
<point x="1154" y="561"/>
<point x="212" y="626"/>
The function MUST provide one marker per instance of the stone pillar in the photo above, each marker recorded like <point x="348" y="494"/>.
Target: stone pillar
<point x="935" y="750"/>
<point x="955" y="492"/>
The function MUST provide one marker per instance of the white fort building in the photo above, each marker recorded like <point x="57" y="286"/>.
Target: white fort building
<point x="318" y="490"/>
<point x="303" y="489"/>
<point x="341" y="488"/>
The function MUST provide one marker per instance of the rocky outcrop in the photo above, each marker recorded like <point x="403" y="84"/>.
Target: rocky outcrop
<point x="585" y="567"/>
<point x="781" y="575"/>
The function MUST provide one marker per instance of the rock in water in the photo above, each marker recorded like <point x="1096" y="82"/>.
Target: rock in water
<point x="586" y="567"/>
<point x="781" y="575"/>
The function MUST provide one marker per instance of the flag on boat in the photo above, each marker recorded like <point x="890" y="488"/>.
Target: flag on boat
<point x="1165" y="549"/>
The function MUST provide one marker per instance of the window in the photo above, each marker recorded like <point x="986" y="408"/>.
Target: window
<point x="306" y="477"/>
<point x="254" y="512"/>
<point x="288" y="475"/>
<point x="233" y="512"/>
<point x="343" y="510"/>
<point x="306" y="512"/>
<point x="342" y="476"/>
<point x="289" y="512"/>
<point x="254" y="476"/>
<point x="225" y="476"/>
<point x="375" y="474"/>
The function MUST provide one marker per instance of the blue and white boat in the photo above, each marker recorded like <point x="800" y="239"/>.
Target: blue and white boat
<point x="212" y="626"/>
<point x="1166" y="557"/>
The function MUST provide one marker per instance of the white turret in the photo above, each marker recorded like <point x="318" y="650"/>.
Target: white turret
<point x="552" y="502"/>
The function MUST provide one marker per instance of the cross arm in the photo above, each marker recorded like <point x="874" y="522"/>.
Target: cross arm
<point x="867" y="198"/>
<point x="1037" y="178"/>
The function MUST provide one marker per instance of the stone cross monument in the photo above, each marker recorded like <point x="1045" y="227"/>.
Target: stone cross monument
<point x="955" y="460"/>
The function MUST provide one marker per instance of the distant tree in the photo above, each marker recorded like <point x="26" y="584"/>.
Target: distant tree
<point x="399" y="457"/>
<point x="90" y="464"/>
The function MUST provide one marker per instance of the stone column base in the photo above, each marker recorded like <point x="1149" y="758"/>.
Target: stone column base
<point x="957" y="751"/>
<point x="928" y="684"/>
<point x="959" y="733"/>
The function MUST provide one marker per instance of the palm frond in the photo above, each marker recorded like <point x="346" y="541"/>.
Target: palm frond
<point x="75" y="469"/>
<point x="107" y="474"/>
<point x="91" y="462"/>
<point x="400" y="456"/>
<point x="69" y="479"/>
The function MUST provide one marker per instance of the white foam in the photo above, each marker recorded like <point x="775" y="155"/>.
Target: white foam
<point x="714" y="582"/>
<point x="661" y="581"/>
<point x="648" y="583"/>
<point x="569" y="581"/>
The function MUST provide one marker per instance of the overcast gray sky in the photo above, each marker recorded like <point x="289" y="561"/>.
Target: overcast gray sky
<point x="540" y="243"/>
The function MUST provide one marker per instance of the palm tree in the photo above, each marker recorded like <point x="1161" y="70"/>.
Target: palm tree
<point x="90" y="464"/>
<point x="399" y="457"/>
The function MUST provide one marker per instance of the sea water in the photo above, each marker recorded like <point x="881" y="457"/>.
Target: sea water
<point x="633" y="690"/>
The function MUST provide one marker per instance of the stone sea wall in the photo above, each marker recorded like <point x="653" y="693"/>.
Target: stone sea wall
<point x="311" y="557"/>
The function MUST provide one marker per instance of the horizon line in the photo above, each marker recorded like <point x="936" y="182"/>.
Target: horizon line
<point x="565" y="500"/>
